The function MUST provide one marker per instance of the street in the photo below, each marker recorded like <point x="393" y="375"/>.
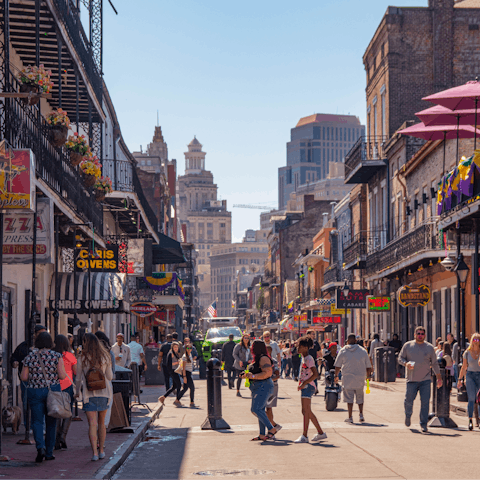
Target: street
<point x="382" y="447"/>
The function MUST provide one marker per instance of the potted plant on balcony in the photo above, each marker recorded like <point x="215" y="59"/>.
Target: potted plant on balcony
<point x="78" y="147"/>
<point x="102" y="186"/>
<point x="59" y="124"/>
<point x="35" y="80"/>
<point x="91" y="169"/>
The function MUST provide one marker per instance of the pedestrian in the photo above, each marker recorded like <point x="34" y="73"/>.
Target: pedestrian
<point x="287" y="352"/>
<point x="314" y="353"/>
<point x="321" y="365"/>
<point x="122" y="352"/>
<point x="272" y="400"/>
<point x="375" y="344"/>
<point x="447" y="356"/>
<point x="261" y="385"/>
<point x="308" y="373"/>
<point x="43" y="368"/>
<point x="162" y="360"/>
<point x="137" y="354"/>
<point x="62" y="346"/>
<point x="470" y="372"/>
<point x="418" y="356"/>
<point x="275" y="348"/>
<point x="187" y="342"/>
<point x="228" y="360"/>
<point x="439" y="351"/>
<point x="241" y="354"/>
<point x="16" y="361"/>
<point x="71" y="338"/>
<point x="395" y="343"/>
<point x="296" y="361"/>
<point x="354" y="362"/>
<point x="438" y="346"/>
<point x="105" y="341"/>
<point x="173" y="364"/>
<point x="151" y="342"/>
<point x="187" y="365"/>
<point x="455" y="354"/>
<point x="94" y="384"/>
<point x="180" y="345"/>
<point x="329" y="359"/>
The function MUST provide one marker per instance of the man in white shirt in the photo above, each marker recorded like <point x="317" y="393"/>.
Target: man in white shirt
<point x="274" y="345"/>
<point x="121" y="352"/>
<point x="137" y="353"/>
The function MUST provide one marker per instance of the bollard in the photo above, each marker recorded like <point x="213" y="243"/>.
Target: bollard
<point x="76" y="417"/>
<point x="442" y="395"/>
<point x="214" y="420"/>
<point x="385" y="366"/>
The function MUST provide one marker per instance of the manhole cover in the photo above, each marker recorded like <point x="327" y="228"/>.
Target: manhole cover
<point x="233" y="473"/>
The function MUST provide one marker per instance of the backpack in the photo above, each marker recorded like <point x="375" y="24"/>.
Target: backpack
<point x="95" y="379"/>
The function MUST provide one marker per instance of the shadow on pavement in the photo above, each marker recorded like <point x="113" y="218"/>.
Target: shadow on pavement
<point x="433" y="433"/>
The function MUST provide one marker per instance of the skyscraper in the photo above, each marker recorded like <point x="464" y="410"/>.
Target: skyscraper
<point x="316" y="142"/>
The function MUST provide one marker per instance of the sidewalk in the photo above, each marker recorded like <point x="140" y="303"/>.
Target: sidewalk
<point x="76" y="462"/>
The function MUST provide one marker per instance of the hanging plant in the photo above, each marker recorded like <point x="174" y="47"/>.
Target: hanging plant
<point x="59" y="125"/>
<point x="103" y="185"/>
<point x="35" y="80"/>
<point x="91" y="169"/>
<point x="78" y="147"/>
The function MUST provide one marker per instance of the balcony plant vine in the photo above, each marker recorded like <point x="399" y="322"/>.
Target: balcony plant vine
<point x="78" y="147"/>
<point x="59" y="125"/>
<point x="91" y="169"/>
<point x="34" y="80"/>
<point x="102" y="186"/>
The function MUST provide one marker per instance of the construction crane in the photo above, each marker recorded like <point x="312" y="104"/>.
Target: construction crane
<point x="260" y="207"/>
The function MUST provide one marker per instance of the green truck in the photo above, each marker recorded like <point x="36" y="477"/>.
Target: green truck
<point x="215" y="338"/>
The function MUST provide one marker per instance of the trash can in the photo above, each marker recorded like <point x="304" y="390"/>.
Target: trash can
<point x="152" y="375"/>
<point x="125" y="388"/>
<point x="385" y="357"/>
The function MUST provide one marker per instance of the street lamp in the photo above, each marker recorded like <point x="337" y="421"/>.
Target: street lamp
<point x="346" y="290"/>
<point x="461" y="270"/>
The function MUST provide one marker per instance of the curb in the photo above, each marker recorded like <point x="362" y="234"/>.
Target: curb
<point x="458" y="410"/>
<point x="121" y="454"/>
<point x="381" y="387"/>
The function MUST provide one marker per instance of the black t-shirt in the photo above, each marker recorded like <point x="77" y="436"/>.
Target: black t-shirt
<point x="165" y="348"/>
<point x="313" y="351"/>
<point x="329" y="361"/>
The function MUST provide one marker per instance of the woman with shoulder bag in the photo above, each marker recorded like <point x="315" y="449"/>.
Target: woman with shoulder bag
<point x="43" y="368"/>
<point x="187" y="371"/>
<point x="95" y="376"/>
<point x="241" y="354"/>
<point x="174" y="367"/>
<point x="62" y="346"/>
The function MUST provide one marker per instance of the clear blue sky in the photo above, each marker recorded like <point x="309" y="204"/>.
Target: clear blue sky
<point x="239" y="76"/>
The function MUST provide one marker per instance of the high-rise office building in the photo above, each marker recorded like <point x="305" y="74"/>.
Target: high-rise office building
<point x="317" y="141"/>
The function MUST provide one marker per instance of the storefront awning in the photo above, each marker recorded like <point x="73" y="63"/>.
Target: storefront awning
<point x="108" y="293"/>
<point x="168" y="251"/>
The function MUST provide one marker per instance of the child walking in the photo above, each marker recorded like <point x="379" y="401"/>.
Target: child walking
<point x="308" y="373"/>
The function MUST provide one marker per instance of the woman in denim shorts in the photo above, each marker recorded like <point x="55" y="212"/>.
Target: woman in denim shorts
<point x="308" y="373"/>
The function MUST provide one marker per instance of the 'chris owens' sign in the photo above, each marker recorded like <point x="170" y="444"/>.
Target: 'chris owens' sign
<point x="355" y="299"/>
<point x="98" y="261"/>
<point x="413" y="296"/>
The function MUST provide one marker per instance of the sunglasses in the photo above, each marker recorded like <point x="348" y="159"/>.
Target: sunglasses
<point x="420" y="334"/>
<point x="476" y="340"/>
<point x="266" y="336"/>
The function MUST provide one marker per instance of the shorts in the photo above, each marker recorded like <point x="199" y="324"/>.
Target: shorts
<point x="96" y="404"/>
<point x="308" y="391"/>
<point x="272" y="400"/>
<point x="354" y="392"/>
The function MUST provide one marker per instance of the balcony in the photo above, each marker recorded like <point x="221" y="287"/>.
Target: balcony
<point x="336" y="274"/>
<point x="356" y="251"/>
<point x="364" y="159"/>
<point x="21" y="127"/>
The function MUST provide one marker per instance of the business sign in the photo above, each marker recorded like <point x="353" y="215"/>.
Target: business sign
<point x="355" y="299"/>
<point x="98" y="261"/>
<point x="379" y="304"/>
<point x="331" y="319"/>
<point x="82" y="306"/>
<point x="139" y="262"/>
<point x="338" y="311"/>
<point x="17" y="179"/>
<point x="18" y="235"/>
<point x="413" y="296"/>
<point x="143" y="309"/>
<point x="300" y="318"/>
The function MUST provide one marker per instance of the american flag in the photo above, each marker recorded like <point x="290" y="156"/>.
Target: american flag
<point x="212" y="309"/>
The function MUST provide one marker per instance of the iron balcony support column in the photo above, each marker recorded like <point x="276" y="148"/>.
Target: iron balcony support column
<point x="59" y="46"/>
<point x="77" y="95"/>
<point x="33" y="313"/>
<point x="37" y="32"/>
<point x="475" y="277"/>
<point x="57" y="290"/>
<point x="457" y="296"/>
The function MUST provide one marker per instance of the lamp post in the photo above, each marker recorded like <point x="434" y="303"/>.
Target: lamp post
<point x="346" y="291"/>
<point x="461" y="270"/>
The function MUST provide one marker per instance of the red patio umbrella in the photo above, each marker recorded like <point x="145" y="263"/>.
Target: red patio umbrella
<point x="441" y="132"/>
<point x="463" y="97"/>
<point x="439" y="115"/>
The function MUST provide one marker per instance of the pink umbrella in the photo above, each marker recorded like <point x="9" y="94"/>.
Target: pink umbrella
<point x="439" y="115"/>
<point x="441" y="132"/>
<point x="464" y="97"/>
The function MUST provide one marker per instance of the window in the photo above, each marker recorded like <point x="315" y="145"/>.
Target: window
<point x="149" y="162"/>
<point x="209" y="225"/>
<point x="222" y="225"/>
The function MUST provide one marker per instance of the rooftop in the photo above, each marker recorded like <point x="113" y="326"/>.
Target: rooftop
<point x="467" y="4"/>
<point x="330" y="118"/>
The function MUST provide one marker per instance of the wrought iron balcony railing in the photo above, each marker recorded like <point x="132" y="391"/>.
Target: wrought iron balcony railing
<point x="364" y="159"/>
<point x="363" y="243"/>
<point x="336" y="274"/>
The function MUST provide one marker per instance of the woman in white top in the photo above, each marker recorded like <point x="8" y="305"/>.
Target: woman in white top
<point x="95" y="402"/>
<point x="187" y="363"/>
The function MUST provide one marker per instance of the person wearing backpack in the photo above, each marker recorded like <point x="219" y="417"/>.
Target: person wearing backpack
<point x="94" y="376"/>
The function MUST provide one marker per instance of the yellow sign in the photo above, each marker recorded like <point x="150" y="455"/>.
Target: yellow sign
<point x="338" y="311"/>
<point x="98" y="261"/>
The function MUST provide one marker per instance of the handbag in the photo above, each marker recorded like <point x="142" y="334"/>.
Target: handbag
<point x="179" y="369"/>
<point x="58" y="403"/>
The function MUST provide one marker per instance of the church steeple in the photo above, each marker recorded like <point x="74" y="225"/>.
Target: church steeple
<point x="195" y="157"/>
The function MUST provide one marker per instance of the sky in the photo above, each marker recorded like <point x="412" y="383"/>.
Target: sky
<point x="239" y="76"/>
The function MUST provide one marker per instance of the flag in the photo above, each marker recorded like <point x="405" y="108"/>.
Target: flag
<point x="233" y="304"/>
<point x="212" y="310"/>
<point x="290" y="306"/>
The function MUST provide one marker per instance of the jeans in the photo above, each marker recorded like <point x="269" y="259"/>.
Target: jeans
<point x="239" y="379"/>
<point x="166" y="376"/>
<point x="283" y="366"/>
<point x="23" y="387"/>
<point x="188" y="385"/>
<point x="411" y="394"/>
<point x="261" y="392"/>
<point x="455" y="372"/>
<point x="288" y="367"/>
<point x="176" y="385"/>
<point x="473" y="386"/>
<point x="37" y="400"/>
<point x="230" y="375"/>
<point x="295" y="369"/>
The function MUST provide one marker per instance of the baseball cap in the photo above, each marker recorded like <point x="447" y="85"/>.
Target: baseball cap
<point x="332" y="345"/>
<point x="39" y="327"/>
<point x="120" y="335"/>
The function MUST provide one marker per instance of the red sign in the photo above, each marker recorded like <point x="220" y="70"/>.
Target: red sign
<point x="143" y="309"/>
<point x="327" y="319"/>
<point x="300" y="318"/>
<point x="378" y="304"/>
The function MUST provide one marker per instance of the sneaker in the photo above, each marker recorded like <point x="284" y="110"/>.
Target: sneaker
<point x="301" y="439"/>
<point x="95" y="458"/>
<point x="362" y="418"/>
<point x="424" y="428"/>
<point x="319" y="437"/>
<point x="239" y="394"/>
<point x="101" y="455"/>
<point x="407" y="421"/>
<point x="177" y="403"/>
<point x="349" y="420"/>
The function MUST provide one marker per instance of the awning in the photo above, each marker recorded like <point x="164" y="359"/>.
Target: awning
<point x="168" y="251"/>
<point x="108" y="293"/>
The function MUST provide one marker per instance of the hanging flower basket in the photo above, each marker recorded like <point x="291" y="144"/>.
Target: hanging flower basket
<point x="58" y="135"/>
<point x="89" y="180"/>
<point x="75" y="158"/>
<point x="99" y="195"/>
<point x="29" y="88"/>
